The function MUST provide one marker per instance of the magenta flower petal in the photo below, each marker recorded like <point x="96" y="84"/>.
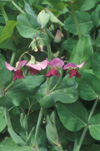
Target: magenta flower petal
<point x="22" y="63"/>
<point x="56" y="63"/>
<point x="18" y="74"/>
<point x="52" y="72"/>
<point x="75" y="73"/>
<point x="9" y="67"/>
<point x="33" y="71"/>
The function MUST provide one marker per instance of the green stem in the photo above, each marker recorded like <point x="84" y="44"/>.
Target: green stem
<point x="38" y="126"/>
<point x="93" y="109"/>
<point x="82" y="138"/>
<point x="75" y="20"/>
<point x="86" y="128"/>
<point x="9" y="86"/>
<point x="7" y="117"/>
<point x="4" y="14"/>
<point x="49" y="58"/>
<point x="60" y="77"/>
<point x="17" y="7"/>
<point x="12" y="58"/>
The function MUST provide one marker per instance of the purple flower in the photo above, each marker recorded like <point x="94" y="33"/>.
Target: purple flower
<point x="55" y="64"/>
<point x="35" y="67"/>
<point x="72" y="67"/>
<point x="17" y="71"/>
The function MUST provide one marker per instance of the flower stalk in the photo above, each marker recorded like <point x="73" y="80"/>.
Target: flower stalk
<point x="86" y="128"/>
<point x="75" y="20"/>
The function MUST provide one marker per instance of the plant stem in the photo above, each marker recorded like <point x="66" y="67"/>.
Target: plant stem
<point x="4" y="14"/>
<point x="12" y="58"/>
<point x="93" y="109"/>
<point x="17" y="7"/>
<point x="9" y="86"/>
<point x="75" y="20"/>
<point x="38" y="126"/>
<point x="82" y="138"/>
<point x="49" y="58"/>
<point x="86" y="128"/>
<point x="7" y="117"/>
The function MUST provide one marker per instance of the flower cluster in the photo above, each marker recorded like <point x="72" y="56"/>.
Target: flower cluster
<point x="35" y="67"/>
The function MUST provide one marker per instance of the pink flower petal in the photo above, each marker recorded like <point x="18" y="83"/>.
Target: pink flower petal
<point x="18" y="74"/>
<point x="34" y="66"/>
<point x="43" y="64"/>
<point x="52" y="72"/>
<point x="9" y="67"/>
<point x="33" y="71"/>
<point x="81" y="65"/>
<point x="22" y="63"/>
<point x="70" y="65"/>
<point x="73" y="65"/>
<point x="39" y="66"/>
<point x="56" y="63"/>
<point x="75" y="73"/>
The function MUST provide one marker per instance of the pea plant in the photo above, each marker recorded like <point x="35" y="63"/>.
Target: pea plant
<point x="49" y="75"/>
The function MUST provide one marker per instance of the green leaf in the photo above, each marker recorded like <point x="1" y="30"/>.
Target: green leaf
<point x="54" y="19"/>
<point x="20" y="90"/>
<point x="84" y="20"/>
<point x="5" y="74"/>
<point x="73" y="117"/>
<point x="43" y="18"/>
<point x="94" y="126"/>
<point x="96" y="64"/>
<point x="65" y="92"/>
<point x="89" y="86"/>
<point x="24" y="26"/>
<point x="86" y="4"/>
<point x="96" y="16"/>
<point x="16" y="137"/>
<point x="82" y="52"/>
<point x="32" y="17"/>
<point x="9" y="145"/>
<point x="2" y="120"/>
<point x="97" y="41"/>
<point x="51" y="132"/>
<point x="6" y="36"/>
<point x="69" y="44"/>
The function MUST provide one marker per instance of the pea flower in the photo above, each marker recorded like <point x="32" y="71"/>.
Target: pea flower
<point x="36" y="67"/>
<point x="17" y="70"/>
<point x="72" y="67"/>
<point x="55" y="64"/>
<point x="58" y="36"/>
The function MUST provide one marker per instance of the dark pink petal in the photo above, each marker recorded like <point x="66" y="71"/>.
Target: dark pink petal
<point x="56" y="63"/>
<point x="18" y="74"/>
<point x="22" y="63"/>
<point x="33" y="71"/>
<point x="75" y="73"/>
<point x="9" y="67"/>
<point x="52" y="72"/>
